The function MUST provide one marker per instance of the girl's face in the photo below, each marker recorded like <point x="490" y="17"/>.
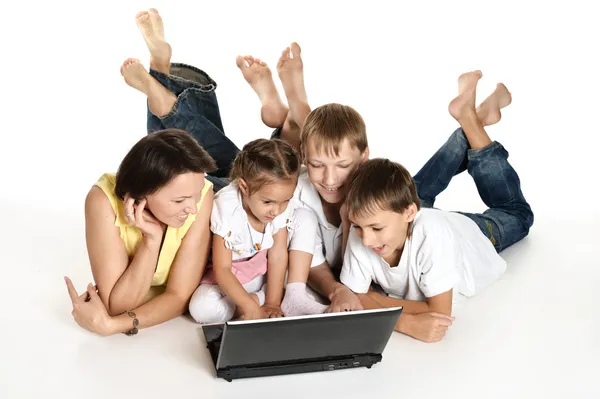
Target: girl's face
<point x="330" y="174"/>
<point x="173" y="203"/>
<point x="269" y="201"/>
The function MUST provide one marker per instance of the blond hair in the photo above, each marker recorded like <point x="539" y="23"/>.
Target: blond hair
<point x="329" y="125"/>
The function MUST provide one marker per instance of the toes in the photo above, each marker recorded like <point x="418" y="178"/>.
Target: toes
<point x="128" y="62"/>
<point x="153" y="10"/>
<point x="142" y="16"/>
<point x="241" y="62"/>
<point x="295" y="50"/>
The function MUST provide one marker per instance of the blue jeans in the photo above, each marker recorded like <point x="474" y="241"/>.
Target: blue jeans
<point x="509" y="216"/>
<point x="196" y="111"/>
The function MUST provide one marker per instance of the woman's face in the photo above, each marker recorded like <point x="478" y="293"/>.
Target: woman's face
<point x="174" y="202"/>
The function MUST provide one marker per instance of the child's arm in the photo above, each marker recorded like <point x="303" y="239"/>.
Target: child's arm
<point x="277" y="257"/>
<point x="222" y="258"/>
<point x="426" y="327"/>
<point x="441" y="303"/>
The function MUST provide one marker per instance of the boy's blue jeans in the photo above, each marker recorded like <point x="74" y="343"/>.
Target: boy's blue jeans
<point x="509" y="216"/>
<point x="196" y="111"/>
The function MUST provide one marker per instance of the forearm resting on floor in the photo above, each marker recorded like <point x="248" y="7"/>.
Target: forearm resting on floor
<point x="133" y="285"/>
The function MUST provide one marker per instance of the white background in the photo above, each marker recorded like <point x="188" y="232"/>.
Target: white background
<point x="68" y="117"/>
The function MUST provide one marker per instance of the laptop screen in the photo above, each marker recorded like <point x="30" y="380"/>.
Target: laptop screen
<point x="307" y="337"/>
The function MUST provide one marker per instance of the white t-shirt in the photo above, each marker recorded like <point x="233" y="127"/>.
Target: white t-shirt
<point x="230" y="221"/>
<point x="447" y="250"/>
<point x="329" y="242"/>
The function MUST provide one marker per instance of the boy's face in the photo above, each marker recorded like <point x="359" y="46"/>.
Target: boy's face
<point x="384" y="232"/>
<point x="331" y="173"/>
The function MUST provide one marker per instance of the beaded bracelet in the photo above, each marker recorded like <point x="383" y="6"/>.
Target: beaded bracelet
<point x="136" y="323"/>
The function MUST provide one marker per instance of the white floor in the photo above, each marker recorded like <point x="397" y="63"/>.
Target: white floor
<point x="534" y="333"/>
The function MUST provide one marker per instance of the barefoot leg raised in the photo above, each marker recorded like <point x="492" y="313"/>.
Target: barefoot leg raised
<point x="291" y="73"/>
<point x="489" y="110"/>
<point x="160" y="100"/>
<point x="150" y="25"/>
<point x="258" y="75"/>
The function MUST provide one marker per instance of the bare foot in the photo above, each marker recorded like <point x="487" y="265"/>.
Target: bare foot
<point x="258" y="75"/>
<point x="135" y="75"/>
<point x="488" y="111"/>
<point x="291" y="74"/>
<point x="160" y="99"/>
<point x="151" y="25"/>
<point x="465" y="101"/>
<point x="462" y="108"/>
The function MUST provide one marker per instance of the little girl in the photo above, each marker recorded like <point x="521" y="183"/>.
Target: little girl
<point x="252" y="226"/>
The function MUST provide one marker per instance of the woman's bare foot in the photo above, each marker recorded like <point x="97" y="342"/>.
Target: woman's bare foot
<point x="467" y="87"/>
<point x="160" y="99"/>
<point x="151" y="25"/>
<point x="291" y="74"/>
<point x="489" y="110"/>
<point x="258" y="75"/>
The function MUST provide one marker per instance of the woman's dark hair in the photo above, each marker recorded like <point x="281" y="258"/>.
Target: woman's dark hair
<point x="158" y="158"/>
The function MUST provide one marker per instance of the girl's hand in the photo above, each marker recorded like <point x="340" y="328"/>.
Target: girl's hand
<point x="141" y="218"/>
<point x="272" y="311"/>
<point x="254" y="313"/>
<point x="89" y="311"/>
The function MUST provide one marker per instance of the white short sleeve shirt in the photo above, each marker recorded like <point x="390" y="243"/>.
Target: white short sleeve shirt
<point x="446" y="251"/>
<point x="230" y="221"/>
<point x="329" y="241"/>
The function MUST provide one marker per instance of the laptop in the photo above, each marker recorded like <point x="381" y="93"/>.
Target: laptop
<point x="290" y="345"/>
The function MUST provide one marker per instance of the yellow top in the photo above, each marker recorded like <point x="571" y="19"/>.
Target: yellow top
<point x="132" y="236"/>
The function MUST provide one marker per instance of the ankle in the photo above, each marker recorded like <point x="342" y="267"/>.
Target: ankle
<point x="160" y="66"/>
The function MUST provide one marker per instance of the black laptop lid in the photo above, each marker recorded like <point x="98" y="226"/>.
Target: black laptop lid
<point x="307" y="337"/>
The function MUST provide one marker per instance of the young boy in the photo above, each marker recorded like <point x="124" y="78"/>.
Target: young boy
<point x="423" y="257"/>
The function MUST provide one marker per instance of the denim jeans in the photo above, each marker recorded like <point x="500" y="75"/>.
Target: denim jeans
<point x="196" y="111"/>
<point x="509" y="216"/>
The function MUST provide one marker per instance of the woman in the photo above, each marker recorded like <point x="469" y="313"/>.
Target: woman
<point x="147" y="227"/>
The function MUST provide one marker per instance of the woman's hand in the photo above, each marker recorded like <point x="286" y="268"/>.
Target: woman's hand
<point x="141" y="218"/>
<point x="89" y="311"/>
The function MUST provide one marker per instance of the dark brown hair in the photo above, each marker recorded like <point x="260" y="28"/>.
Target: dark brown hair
<point x="264" y="161"/>
<point x="329" y="125"/>
<point x="381" y="185"/>
<point x="158" y="158"/>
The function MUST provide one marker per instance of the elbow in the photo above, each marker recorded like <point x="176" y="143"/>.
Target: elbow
<point x="117" y="306"/>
